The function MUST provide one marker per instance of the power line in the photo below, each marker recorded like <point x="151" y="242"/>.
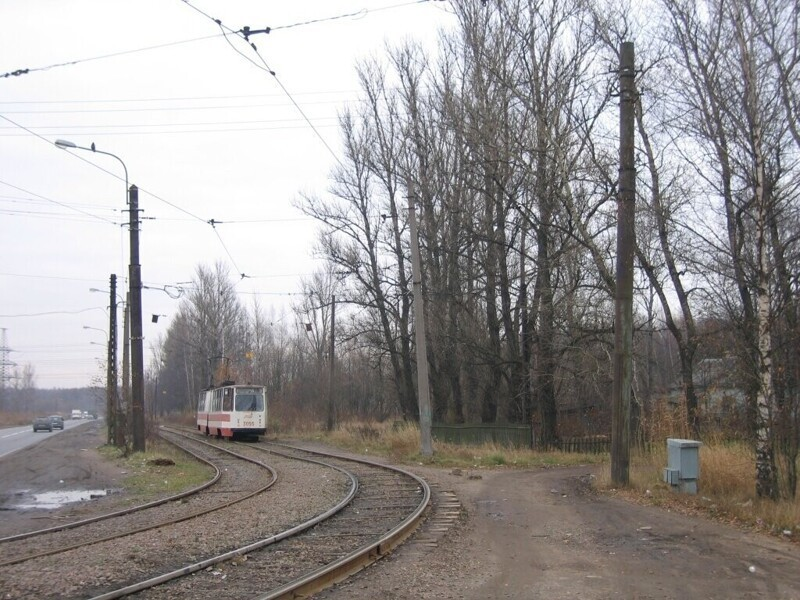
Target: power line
<point x="265" y="68"/>
<point x="189" y="124"/>
<point x="51" y="277"/>
<point x="95" y="165"/>
<point x="179" y="98"/>
<point x="53" y="312"/>
<point x="29" y="214"/>
<point x="34" y="201"/>
<point x="26" y="71"/>
<point x="150" y="109"/>
<point x="98" y="133"/>
<point x="67" y="206"/>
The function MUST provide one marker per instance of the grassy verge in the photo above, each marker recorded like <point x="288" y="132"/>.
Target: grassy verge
<point x="726" y="489"/>
<point x="400" y="442"/>
<point x="160" y="471"/>
<point x="15" y="419"/>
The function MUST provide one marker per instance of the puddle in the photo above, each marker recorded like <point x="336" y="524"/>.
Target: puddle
<point x="51" y="500"/>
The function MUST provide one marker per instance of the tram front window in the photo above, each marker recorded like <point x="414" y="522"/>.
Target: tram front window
<point x="249" y="402"/>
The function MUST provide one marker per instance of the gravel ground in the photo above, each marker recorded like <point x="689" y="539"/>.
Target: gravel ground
<point x="88" y="570"/>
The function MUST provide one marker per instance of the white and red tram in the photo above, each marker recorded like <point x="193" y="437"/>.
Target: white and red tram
<point x="233" y="411"/>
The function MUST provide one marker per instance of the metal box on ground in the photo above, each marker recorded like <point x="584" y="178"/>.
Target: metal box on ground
<point x="683" y="465"/>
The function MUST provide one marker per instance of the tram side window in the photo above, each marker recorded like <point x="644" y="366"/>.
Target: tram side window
<point x="227" y="400"/>
<point x="249" y="402"/>
<point x="217" y="400"/>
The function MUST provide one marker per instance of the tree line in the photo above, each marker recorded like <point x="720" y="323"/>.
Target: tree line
<point x="507" y="136"/>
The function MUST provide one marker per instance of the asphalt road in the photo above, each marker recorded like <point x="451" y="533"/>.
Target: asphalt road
<point x="16" y="438"/>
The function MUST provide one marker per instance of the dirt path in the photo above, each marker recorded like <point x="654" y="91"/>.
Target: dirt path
<point x="523" y="534"/>
<point x="544" y="534"/>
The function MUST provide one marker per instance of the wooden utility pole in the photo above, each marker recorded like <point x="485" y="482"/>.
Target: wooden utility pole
<point x="623" y="305"/>
<point x="331" y="406"/>
<point x="423" y="385"/>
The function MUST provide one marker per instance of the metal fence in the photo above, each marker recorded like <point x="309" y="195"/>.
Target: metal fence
<point x="516" y="436"/>
<point x="593" y="444"/>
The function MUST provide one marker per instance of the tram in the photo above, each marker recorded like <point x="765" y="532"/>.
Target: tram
<point x="232" y="411"/>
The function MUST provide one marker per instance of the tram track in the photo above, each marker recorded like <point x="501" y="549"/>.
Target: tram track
<point x="117" y="513"/>
<point x="332" y="516"/>
<point x="228" y="488"/>
<point x="385" y="508"/>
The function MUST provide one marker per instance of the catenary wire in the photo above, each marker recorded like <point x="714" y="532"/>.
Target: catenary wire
<point x="267" y="69"/>
<point x="62" y="204"/>
<point x="26" y="71"/>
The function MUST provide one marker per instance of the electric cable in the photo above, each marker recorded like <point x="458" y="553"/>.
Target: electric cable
<point x="267" y="69"/>
<point x="26" y="71"/>
<point x="62" y="204"/>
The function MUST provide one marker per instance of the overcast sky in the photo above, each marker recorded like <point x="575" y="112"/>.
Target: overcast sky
<point x="204" y="133"/>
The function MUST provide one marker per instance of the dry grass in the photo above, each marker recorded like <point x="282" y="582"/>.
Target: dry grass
<point x="14" y="419"/>
<point x="726" y="489"/>
<point x="401" y="442"/>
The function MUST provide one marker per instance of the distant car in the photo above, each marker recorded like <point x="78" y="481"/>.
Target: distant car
<point x="42" y="423"/>
<point x="57" y="421"/>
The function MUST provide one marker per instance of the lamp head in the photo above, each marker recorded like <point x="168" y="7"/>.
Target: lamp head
<point x="63" y="144"/>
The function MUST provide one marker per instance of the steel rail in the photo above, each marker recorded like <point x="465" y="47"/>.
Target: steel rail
<point x="166" y="522"/>
<point x="360" y="558"/>
<point x="204" y="564"/>
<point x="125" y="511"/>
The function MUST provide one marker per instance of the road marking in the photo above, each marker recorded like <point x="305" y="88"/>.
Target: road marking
<point x="13" y="434"/>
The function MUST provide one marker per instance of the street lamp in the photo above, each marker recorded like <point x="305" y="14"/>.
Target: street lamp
<point x="111" y="375"/>
<point x="66" y="144"/>
<point x="103" y="331"/>
<point x="135" y="301"/>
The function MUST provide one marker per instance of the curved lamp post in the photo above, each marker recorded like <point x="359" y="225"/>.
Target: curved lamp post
<point x="66" y="145"/>
<point x="135" y="300"/>
<point x="110" y="372"/>
<point x="103" y="331"/>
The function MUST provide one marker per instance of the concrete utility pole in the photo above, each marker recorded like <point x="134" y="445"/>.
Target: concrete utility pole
<point x="331" y="406"/>
<point x="122" y="435"/>
<point x="137" y="336"/>
<point x="623" y="305"/>
<point x="423" y="385"/>
<point x="111" y="400"/>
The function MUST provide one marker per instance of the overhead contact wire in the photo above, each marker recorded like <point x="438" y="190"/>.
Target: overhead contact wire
<point x="26" y="71"/>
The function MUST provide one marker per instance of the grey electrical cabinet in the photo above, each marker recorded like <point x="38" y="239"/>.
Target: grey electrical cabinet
<point x="683" y="465"/>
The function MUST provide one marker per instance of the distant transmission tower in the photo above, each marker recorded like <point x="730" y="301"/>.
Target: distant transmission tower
<point x="5" y="364"/>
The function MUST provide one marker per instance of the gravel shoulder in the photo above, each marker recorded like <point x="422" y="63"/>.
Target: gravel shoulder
<point x="65" y="461"/>
<point x="518" y="534"/>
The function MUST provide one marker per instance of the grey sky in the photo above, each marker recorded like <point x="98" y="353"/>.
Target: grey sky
<point x="203" y="132"/>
